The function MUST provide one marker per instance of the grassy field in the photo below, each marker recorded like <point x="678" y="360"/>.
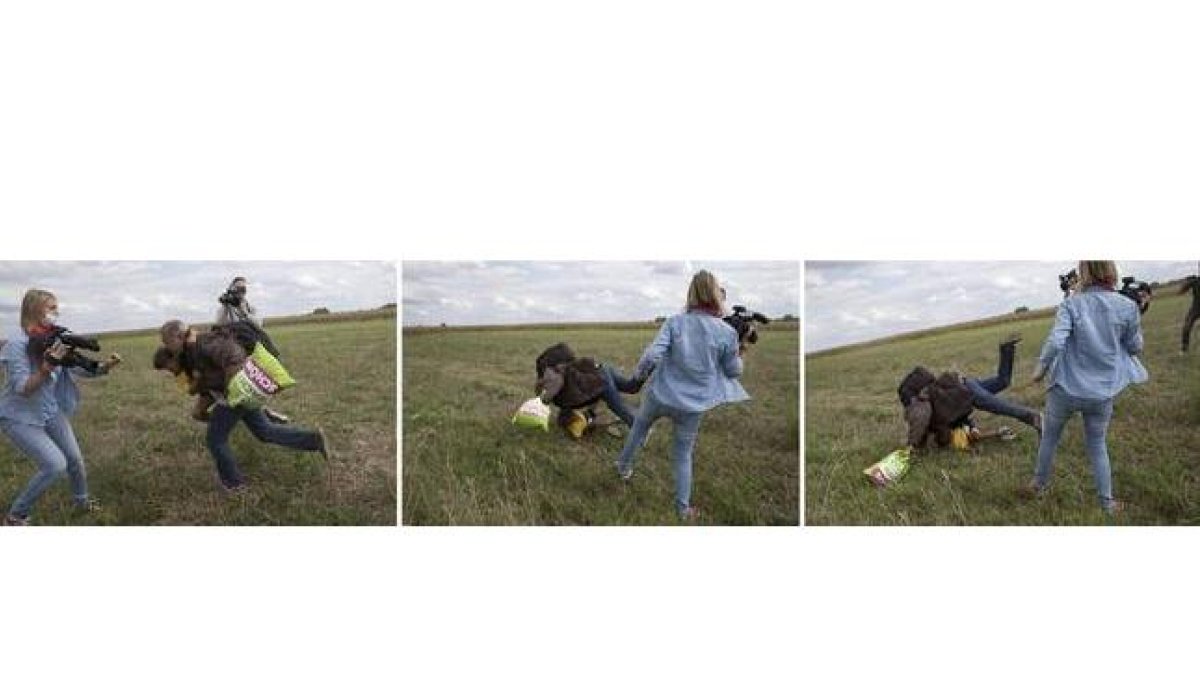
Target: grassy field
<point x="852" y="418"/>
<point x="148" y="464"/>
<point x="464" y="463"/>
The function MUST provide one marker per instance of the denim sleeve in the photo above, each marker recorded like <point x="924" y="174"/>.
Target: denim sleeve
<point x="16" y="367"/>
<point x="731" y="363"/>
<point x="1131" y="337"/>
<point x="657" y="349"/>
<point x="1057" y="338"/>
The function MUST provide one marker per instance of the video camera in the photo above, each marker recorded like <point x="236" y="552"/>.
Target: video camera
<point x="1137" y="291"/>
<point x="743" y="321"/>
<point x="233" y="297"/>
<point x="60" y="335"/>
<point x="1068" y="281"/>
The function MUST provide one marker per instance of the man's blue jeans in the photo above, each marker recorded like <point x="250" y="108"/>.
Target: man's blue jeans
<point x="55" y="451"/>
<point x="614" y="385"/>
<point x="687" y="427"/>
<point x="1060" y="406"/>
<point x="221" y="425"/>
<point x="985" y="391"/>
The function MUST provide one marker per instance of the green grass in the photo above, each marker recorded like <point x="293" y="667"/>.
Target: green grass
<point x="464" y="463"/>
<point x="148" y="464"/>
<point x="852" y="418"/>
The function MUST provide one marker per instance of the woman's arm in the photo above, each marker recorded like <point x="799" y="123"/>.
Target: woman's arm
<point x="731" y="359"/>
<point x="1055" y="341"/>
<point x="1131" y="336"/>
<point x="657" y="349"/>
<point x="25" y="378"/>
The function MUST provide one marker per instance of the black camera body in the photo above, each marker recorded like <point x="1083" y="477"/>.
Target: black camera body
<point x="232" y="297"/>
<point x="1067" y="281"/>
<point x="1137" y="291"/>
<point x="61" y="335"/>
<point x="743" y="321"/>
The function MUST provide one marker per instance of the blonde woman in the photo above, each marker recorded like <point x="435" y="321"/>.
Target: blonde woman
<point x="38" y="399"/>
<point x="1088" y="358"/>
<point x="696" y="362"/>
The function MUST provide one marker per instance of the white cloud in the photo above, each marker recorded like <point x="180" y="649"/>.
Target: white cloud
<point x="858" y="301"/>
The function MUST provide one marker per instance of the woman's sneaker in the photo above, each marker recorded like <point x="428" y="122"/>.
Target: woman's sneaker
<point x="88" y="505"/>
<point x="690" y="514"/>
<point x="14" y="520"/>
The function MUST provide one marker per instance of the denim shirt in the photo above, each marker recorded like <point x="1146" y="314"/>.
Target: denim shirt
<point x="58" y="394"/>
<point x="1091" y="350"/>
<point x="697" y="361"/>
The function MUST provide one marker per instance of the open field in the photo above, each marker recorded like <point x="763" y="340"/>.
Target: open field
<point x="148" y="464"/>
<point x="852" y="418"/>
<point x="464" y="463"/>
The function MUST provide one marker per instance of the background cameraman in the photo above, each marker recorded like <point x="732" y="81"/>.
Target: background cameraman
<point x="1192" y="283"/>
<point x="234" y="306"/>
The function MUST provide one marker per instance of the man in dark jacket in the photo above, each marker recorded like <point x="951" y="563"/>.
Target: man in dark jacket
<point x="935" y="406"/>
<point x="573" y="383"/>
<point x="210" y="359"/>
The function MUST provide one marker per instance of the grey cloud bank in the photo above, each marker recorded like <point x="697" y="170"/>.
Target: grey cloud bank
<point x="849" y="302"/>
<point x="111" y="295"/>
<point x="502" y="292"/>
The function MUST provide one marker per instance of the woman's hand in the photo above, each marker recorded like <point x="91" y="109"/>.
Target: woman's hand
<point x="52" y="356"/>
<point x="1039" y="373"/>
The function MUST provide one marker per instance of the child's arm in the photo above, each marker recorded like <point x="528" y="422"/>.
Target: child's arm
<point x="200" y="409"/>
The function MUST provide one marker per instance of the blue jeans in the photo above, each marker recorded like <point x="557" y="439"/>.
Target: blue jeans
<point x="985" y="391"/>
<point x="55" y="451"/>
<point x="224" y="419"/>
<point x="614" y="384"/>
<point x="1060" y="406"/>
<point x="687" y="427"/>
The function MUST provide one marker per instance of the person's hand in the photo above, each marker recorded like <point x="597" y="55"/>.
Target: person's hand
<point x="51" y="355"/>
<point x="1039" y="373"/>
<point x="742" y="349"/>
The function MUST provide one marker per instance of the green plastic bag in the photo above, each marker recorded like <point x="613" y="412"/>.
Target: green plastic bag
<point x="261" y="377"/>
<point x="533" y="414"/>
<point x="889" y="469"/>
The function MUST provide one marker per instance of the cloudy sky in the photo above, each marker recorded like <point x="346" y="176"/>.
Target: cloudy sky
<point x="850" y="302"/>
<point x="464" y="293"/>
<point x="106" y="295"/>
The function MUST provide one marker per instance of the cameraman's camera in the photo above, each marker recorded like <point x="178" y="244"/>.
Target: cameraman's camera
<point x="743" y="321"/>
<point x="233" y="297"/>
<point x="1137" y="291"/>
<point x="1068" y="281"/>
<point x="60" y="335"/>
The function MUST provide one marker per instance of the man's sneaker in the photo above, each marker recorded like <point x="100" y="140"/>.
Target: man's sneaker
<point x="15" y="520"/>
<point x="323" y="444"/>
<point x="276" y="417"/>
<point x="625" y="474"/>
